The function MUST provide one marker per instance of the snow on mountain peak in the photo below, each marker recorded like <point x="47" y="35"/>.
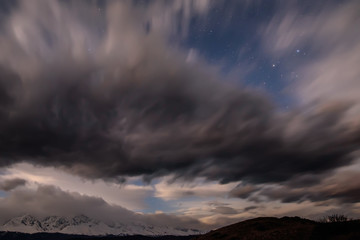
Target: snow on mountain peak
<point x="84" y="225"/>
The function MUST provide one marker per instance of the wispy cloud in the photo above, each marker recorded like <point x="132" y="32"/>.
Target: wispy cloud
<point x="100" y="92"/>
<point x="131" y="106"/>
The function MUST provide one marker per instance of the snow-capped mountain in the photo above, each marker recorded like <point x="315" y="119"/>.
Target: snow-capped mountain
<point x="87" y="226"/>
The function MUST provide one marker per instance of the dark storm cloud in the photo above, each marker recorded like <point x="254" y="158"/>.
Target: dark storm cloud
<point x="11" y="184"/>
<point x="250" y="208"/>
<point x="225" y="210"/>
<point x="288" y="195"/>
<point x="341" y="187"/>
<point x="122" y="103"/>
<point x="243" y="191"/>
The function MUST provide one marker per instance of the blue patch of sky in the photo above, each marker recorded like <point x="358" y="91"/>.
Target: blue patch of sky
<point x="169" y="206"/>
<point x="137" y="182"/>
<point x="154" y="203"/>
<point x="3" y="193"/>
<point x="230" y="35"/>
<point x="158" y="204"/>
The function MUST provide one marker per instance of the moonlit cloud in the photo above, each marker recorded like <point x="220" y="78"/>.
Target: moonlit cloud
<point x="41" y="201"/>
<point x="197" y="188"/>
<point x="331" y="77"/>
<point x="115" y="106"/>
<point x="127" y="195"/>
<point x="144" y="111"/>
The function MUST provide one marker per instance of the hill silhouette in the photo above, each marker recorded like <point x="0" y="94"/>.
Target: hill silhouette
<point x="294" y="228"/>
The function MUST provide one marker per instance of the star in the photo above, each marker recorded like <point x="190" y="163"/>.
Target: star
<point x="297" y="50"/>
<point x="273" y="65"/>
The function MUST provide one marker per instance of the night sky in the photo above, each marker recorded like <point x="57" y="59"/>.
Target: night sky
<point x="186" y="112"/>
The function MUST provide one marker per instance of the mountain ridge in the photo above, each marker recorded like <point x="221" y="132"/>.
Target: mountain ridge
<point x="83" y="225"/>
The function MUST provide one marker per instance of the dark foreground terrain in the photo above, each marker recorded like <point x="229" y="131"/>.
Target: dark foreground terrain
<point x="286" y="228"/>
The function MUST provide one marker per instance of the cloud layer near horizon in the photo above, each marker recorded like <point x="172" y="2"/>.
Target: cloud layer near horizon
<point x="47" y="200"/>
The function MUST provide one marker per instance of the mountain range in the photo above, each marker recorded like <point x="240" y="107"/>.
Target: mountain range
<point x="83" y="225"/>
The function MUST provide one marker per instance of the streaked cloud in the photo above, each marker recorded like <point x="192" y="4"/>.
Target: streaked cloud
<point x="106" y="104"/>
<point x="10" y="184"/>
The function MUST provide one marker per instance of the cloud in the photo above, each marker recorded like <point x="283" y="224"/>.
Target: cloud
<point x="250" y="208"/>
<point x="327" y="34"/>
<point x="224" y="210"/>
<point x="48" y="200"/>
<point x="339" y="188"/>
<point x="326" y="92"/>
<point x="243" y="190"/>
<point x="201" y="188"/>
<point x="174" y="18"/>
<point x="10" y="184"/>
<point x="128" y="195"/>
<point x="112" y="99"/>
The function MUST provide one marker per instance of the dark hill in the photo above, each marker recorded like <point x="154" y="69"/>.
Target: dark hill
<point x="285" y="228"/>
